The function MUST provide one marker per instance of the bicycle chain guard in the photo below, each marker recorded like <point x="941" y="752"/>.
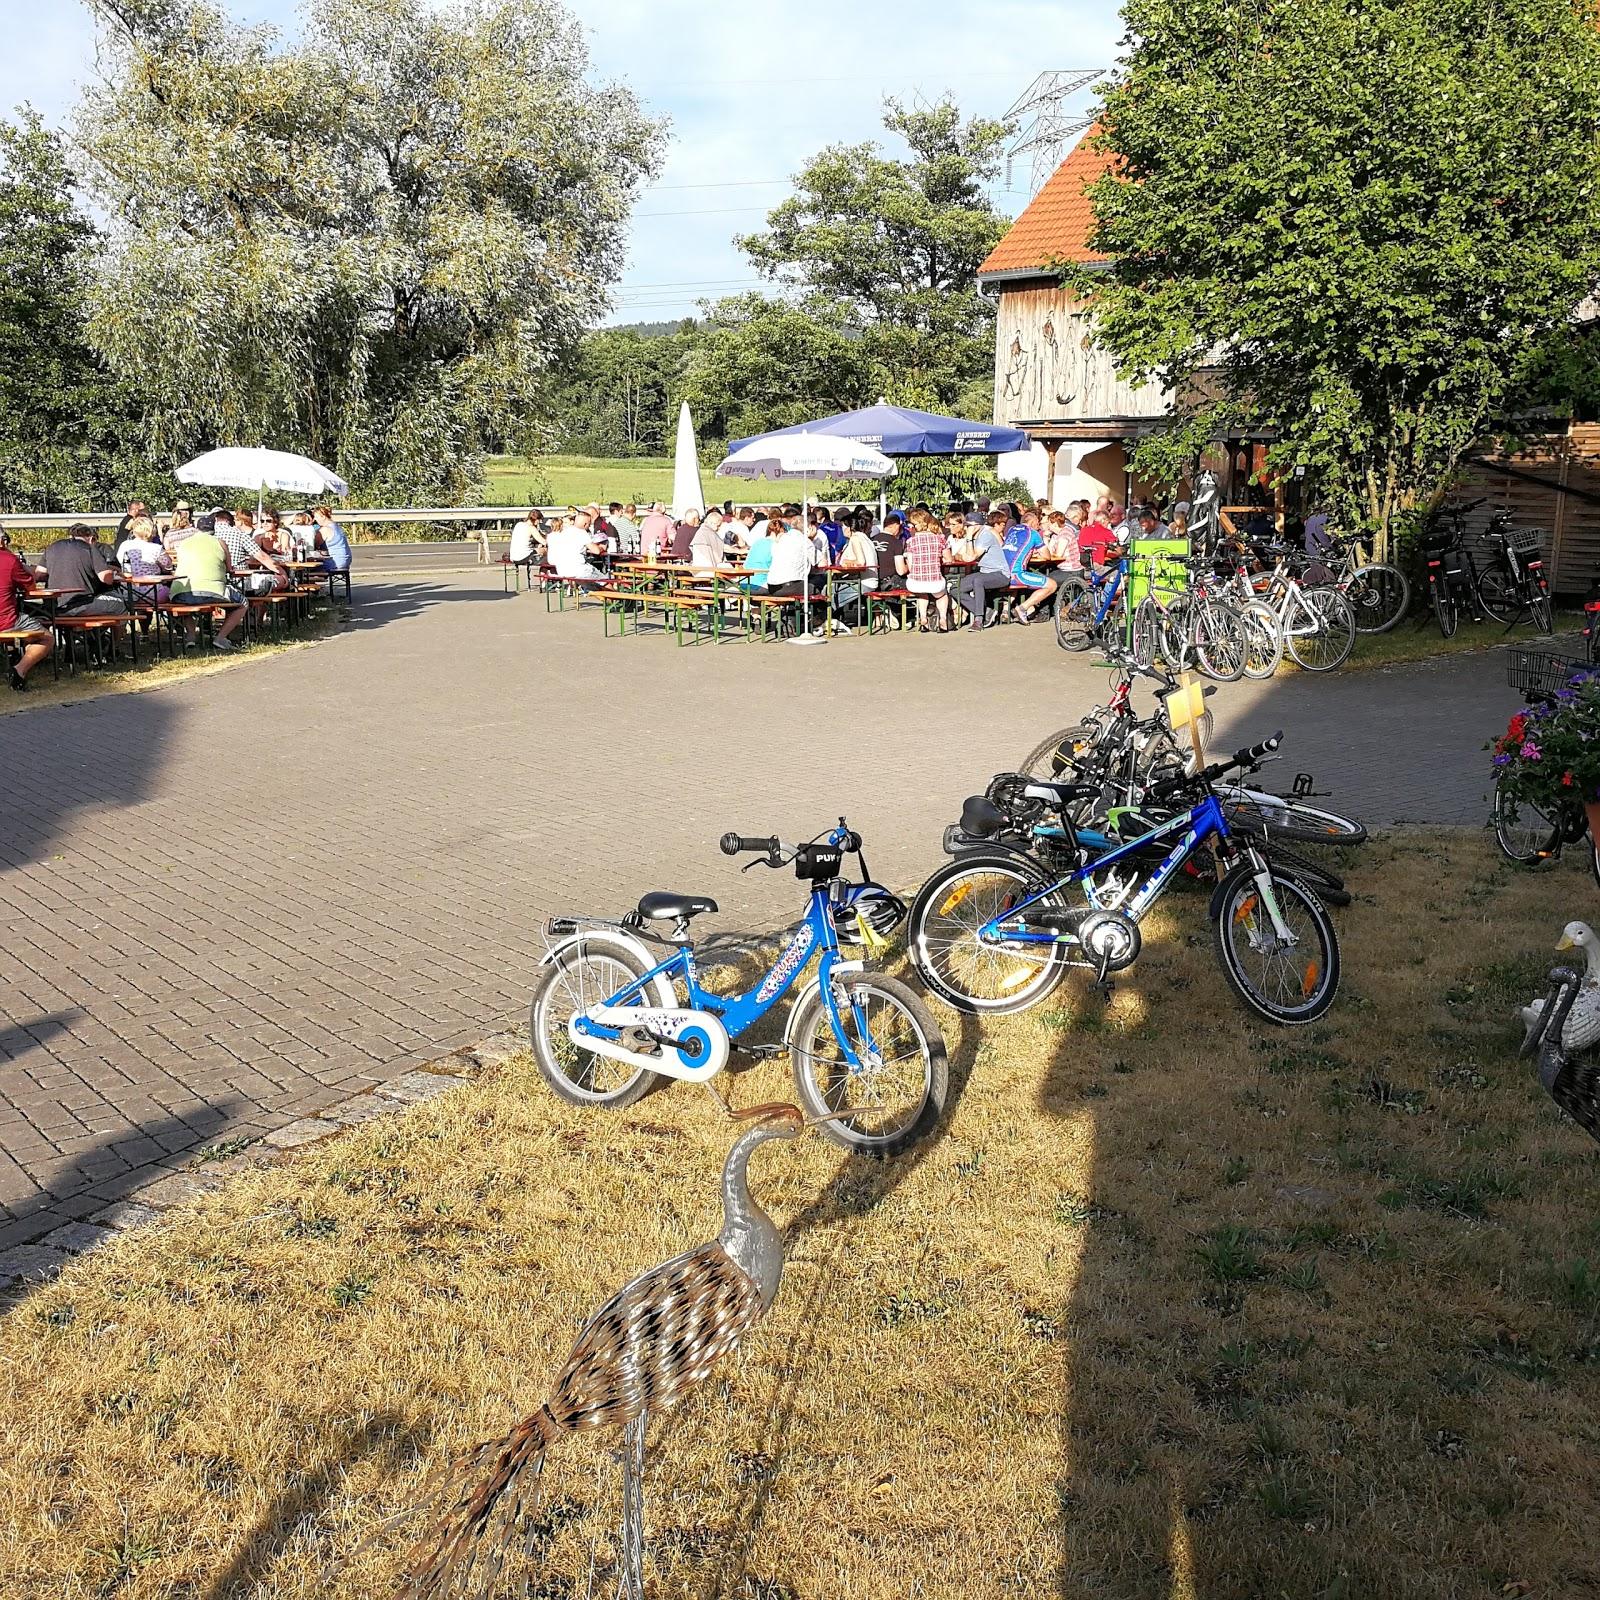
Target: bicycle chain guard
<point x="693" y="1045"/>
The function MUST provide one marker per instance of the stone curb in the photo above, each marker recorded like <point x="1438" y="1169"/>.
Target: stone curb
<point x="25" y="1265"/>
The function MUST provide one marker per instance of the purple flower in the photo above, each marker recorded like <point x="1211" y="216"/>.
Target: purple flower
<point x="1529" y="751"/>
<point x="1502" y="761"/>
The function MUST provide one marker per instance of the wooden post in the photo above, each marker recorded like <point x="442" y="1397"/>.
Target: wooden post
<point x="1050" y="448"/>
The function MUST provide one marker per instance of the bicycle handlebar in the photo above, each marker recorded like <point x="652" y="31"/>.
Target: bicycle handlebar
<point x="1250" y="756"/>
<point x="734" y="843"/>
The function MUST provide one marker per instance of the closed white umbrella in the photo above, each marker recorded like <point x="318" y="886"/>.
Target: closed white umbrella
<point x="687" y="495"/>
<point x="251" y="467"/>
<point x="799" y="455"/>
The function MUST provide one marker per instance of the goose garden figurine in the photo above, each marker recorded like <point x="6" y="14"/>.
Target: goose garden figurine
<point x="1580" y="1024"/>
<point x="650" y="1343"/>
<point x="1564" y="1025"/>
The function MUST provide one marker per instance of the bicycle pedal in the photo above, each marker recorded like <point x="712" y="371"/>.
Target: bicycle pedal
<point x="763" y="1052"/>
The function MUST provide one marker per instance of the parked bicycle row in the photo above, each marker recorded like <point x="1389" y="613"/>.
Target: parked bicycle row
<point x="1053" y="868"/>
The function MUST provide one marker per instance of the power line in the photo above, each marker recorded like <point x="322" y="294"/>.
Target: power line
<point x="732" y="183"/>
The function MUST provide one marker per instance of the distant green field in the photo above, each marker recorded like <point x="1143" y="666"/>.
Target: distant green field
<point x="575" y="480"/>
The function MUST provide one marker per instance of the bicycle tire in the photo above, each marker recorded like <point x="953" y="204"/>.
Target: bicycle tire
<point x="1263" y="639"/>
<point x="1523" y="834"/>
<point x="824" y="1099"/>
<point x="557" y="1058"/>
<point x="1498" y="593"/>
<point x="1144" y="640"/>
<point x="1285" y="817"/>
<point x="1384" y="596"/>
<point x="1236" y="906"/>
<point x="1074" y="615"/>
<point x="1336" y="624"/>
<point x="923" y="936"/>
<point x="1444" y="607"/>
<point x="1219" y="645"/>
<point x="1329" y="886"/>
<point x="1051" y="756"/>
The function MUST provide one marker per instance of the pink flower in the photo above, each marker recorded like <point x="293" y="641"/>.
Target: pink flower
<point x="1529" y="751"/>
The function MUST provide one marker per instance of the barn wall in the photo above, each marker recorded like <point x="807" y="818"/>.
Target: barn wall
<point x="1043" y="370"/>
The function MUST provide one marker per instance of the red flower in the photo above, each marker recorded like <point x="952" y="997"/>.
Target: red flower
<point x="1566" y="780"/>
<point x="1516" y="725"/>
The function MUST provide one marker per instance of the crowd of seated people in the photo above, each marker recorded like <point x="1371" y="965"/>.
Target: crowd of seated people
<point x="975" y="566"/>
<point x="219" y="558"/>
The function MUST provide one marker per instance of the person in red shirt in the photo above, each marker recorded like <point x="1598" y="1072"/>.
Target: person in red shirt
<point x="1095" y="537"/>
<point x="15" y="580"/>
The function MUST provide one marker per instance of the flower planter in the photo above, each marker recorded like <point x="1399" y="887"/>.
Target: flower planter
<point x="1592" y="807"/>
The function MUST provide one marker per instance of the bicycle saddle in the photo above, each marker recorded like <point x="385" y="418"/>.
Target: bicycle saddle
<point x="663" y="906"/>
<point x="1058" y="794"/>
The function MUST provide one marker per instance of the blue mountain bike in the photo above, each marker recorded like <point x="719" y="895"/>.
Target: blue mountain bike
<point x="1092" y="608"/>
<point x="612" y="1019"/>
<point x="995" y="929"/>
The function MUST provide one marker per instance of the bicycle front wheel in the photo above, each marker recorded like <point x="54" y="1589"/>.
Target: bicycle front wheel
<point x="577" y="978"/>
<point x="894" y="1094"/>
<point x="1379" y="596"/>
<point x="1219" y="643"/>
<point x="1524" y="833"/>
<point x="1499" y="594"/>
<point x="1284" y="967"/>
<point x="1075" y="610"/>
<point x="1263" y="639"/>
<point x="1146" y="639"/>
<point x="1321" y="631"/>
<point x="1056" y="758"/>
<point x="942" y="936"/>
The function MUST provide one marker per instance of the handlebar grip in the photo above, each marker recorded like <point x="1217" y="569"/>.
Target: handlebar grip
<point x="1253" y="753"/>
<point x="733" y="843"/>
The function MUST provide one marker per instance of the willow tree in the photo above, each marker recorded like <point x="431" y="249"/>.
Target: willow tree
<point x="1360" y="225"/>
<point x="369" y="244"/>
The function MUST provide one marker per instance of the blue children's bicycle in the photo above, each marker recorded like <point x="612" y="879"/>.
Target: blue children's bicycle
<point x="995" y="929"/>
<point x="611" y="1019"/>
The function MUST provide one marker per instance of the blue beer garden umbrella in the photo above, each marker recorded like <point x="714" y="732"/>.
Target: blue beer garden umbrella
<point x="902" y="431"/>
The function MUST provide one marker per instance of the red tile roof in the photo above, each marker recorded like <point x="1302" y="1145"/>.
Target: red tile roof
<point x="1058" y="220"/>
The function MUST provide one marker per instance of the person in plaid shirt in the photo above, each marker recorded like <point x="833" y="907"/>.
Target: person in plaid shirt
<point x="923" y="566"/>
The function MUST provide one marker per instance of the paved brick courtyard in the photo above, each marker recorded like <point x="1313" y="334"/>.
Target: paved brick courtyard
<point x="250" y="896"/>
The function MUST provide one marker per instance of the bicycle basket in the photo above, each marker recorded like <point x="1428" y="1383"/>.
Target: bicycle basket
<point x="1529" y="541"/>
<point x="817" y="863"/>
<point x="1542" y="670"/>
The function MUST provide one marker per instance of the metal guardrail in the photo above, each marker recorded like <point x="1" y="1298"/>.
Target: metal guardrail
<point x="351" y="517"/>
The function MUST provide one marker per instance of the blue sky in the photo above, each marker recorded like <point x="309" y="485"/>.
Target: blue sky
<point x="751" y="90"/>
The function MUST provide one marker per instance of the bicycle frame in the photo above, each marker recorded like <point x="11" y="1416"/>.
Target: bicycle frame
<point x="1111" y="587"/>
<point x="815" y="937"/>
<point x="1197" y="825"/>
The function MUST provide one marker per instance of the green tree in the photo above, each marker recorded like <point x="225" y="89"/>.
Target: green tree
<point x="372" y="245"/>
<point x="875" y="258"/>
<point x="617" y="394"/>
<point x="69" y="432"/>
<point x="1358" y="225"/>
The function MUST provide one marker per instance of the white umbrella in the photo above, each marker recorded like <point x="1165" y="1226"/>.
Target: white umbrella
<point x="687" y="495"/>
<point x="244" y="467"/>
<point x="799" y="455"/>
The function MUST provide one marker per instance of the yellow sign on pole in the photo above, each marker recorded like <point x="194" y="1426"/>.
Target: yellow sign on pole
<point x="1185" y="707"/>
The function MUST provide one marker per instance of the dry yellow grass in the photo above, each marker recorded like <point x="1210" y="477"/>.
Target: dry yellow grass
<point x="154" y="673"/>
<point x="1177" y="1307"/>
